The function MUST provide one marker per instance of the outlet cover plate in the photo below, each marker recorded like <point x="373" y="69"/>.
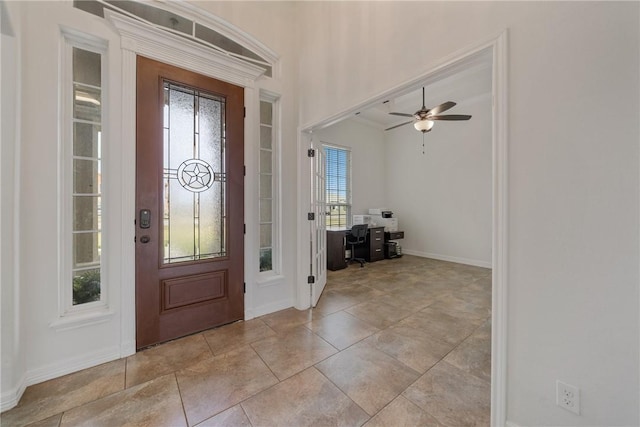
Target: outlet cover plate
<point x="568" y="397"/>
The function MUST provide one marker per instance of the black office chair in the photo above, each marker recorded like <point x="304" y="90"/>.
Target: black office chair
<point x="357" y="236"/>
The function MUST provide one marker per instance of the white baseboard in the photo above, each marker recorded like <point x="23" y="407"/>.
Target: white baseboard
<point x="474" y="262"/>
<point x="269" y="308"/>
<point x="511" y="424"/>
<point x="55" y="370"/>
<point x="11" y="398"/>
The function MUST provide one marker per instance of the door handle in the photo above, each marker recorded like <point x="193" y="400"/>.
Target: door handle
<point x="145" y="239"/>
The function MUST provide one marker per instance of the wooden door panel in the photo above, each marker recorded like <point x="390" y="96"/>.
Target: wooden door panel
<point x="188" y="277"/>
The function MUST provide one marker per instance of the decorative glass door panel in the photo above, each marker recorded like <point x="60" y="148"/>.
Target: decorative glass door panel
<point x="195" y="221"/>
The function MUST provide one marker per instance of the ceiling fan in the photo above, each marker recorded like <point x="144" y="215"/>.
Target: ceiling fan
<point x="423" y="118"/>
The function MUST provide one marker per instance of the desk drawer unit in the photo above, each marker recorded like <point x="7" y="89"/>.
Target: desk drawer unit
<point x="376" y="244"/>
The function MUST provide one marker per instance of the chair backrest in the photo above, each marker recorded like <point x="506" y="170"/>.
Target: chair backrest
<point x="358" y="233"/>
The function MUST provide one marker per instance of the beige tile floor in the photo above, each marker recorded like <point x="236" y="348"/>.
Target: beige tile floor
<point x="402" y="342"/>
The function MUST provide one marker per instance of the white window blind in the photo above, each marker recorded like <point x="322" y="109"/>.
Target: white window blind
<point x="338" y="184"/>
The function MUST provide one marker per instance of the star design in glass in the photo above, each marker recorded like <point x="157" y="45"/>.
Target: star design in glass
<point x="196" y="174"/>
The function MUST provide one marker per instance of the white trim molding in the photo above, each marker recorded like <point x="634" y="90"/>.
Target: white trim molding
<point x="139" y="38"/>
<point x="169" y="48"/>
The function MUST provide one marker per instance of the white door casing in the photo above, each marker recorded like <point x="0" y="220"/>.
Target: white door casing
<point x="138" y="38"/>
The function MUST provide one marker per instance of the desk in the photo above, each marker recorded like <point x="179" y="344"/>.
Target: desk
<point x="371" y="250"/>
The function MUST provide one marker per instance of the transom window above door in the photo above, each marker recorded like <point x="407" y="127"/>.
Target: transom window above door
<point x="190" y="28"/>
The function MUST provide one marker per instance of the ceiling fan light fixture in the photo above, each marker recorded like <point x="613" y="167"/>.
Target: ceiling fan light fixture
<point x="423" y="125"/>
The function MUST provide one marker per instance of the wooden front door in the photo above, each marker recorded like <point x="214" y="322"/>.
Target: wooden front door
<point x="189" y="203"/>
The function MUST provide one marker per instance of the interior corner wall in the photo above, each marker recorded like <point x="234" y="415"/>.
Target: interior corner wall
<point x="12" y="367"/>
<point x="273" y="23"/>
<point x="443" y="197"/>
<point x="573" y="166"/>
<point x="368" y="189"/>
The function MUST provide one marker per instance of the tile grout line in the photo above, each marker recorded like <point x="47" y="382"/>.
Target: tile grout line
<point x="184" y="410"/>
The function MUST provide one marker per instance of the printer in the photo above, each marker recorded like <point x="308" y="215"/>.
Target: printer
<point x="383" y="217"/>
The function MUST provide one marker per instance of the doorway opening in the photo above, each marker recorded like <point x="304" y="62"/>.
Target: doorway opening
<point x="493" y="51"/>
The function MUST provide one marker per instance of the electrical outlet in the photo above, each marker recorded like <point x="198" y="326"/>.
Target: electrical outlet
<point x="568" y="397"/>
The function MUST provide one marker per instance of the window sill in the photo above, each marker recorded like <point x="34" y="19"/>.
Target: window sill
<point x="79" y="320"/>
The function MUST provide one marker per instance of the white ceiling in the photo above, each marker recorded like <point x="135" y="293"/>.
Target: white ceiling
<point x="467" y="84"/>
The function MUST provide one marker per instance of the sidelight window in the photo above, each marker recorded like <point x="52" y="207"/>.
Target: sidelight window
<point x="267" y="186"/>
<point x="82" y="166"/>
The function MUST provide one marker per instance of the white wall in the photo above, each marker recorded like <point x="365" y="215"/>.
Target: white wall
<point x="573" y="173"/>
<point x="51" y="352"/>
<point x="367" y="162"/>
<point x="443" y="198"/>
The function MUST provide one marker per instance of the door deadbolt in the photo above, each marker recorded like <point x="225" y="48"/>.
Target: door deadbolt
<point x="145" y="218"/>
<point x="145" y="239"/>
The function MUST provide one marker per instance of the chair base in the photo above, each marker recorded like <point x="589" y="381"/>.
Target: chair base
<point x="360" y="260"/>
<point x="353" y="256"/>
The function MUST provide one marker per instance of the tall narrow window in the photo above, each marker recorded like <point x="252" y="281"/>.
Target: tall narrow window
<point x="337" y="181"/>
<point x="266" y="186"/>
<point x="86" y="182"/>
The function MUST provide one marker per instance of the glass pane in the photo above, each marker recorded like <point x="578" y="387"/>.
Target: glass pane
<point x="156" y="15"/>
<point x="211" y="117"/>
<point x="86" y="103"/>
<point x="86" y="67"/>
<point x="265" y="161"/>
<point x="265" y="235"/>
<point x="86" y="177"/>
<point x="217" y="39"/>
<point x="86" y="250"/>
<point x="194" y="178"/>
<point x="265" y="137"/>
<point x="211" y="221"/>
<point x="86" y="140"/>
<point x="265" y="186"/>
<point x="266" y="263"/>
<point x="86" y="286"/>
<point x="265" y="210"/>
<point x="181" y="126"/>
<point x="181" y="223"/>
<point x="266" y="113"/>
<point x="86" y="213"/>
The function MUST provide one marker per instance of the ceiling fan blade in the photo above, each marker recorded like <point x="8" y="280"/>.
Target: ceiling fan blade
<point x="450" y="117"/>
<point x="401" y="124"/>
<point x="401" y="114"/>
<point x="442" y="107"/>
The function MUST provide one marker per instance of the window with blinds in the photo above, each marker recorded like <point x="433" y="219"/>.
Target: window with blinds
<point x="338" y="186"/>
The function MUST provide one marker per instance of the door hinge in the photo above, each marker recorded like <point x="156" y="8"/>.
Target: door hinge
<point x="311" y="216"/>
<point x="244" y="287"/>
<point x="311" y="152"/>
<point x="311" y="280"/>
<point x="244" y="228"/>
<point x="244" y="171"/>
<point x="244" y="111"/>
